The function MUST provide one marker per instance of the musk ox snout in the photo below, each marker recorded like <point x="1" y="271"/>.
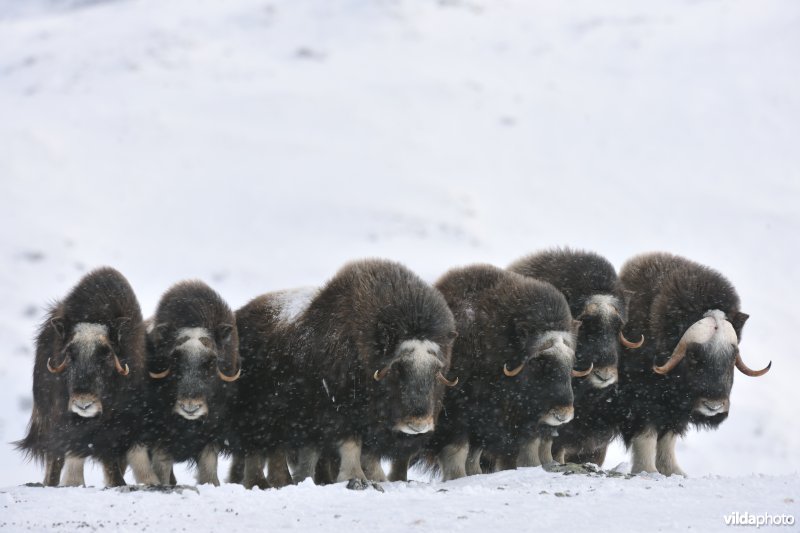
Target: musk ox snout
<point x="415" y="425"/>
<point x="603" y="377"/>
<point x="712" y="407"/>
<point x="558" y="415"/>
<point x="85" y="405"/>
<point x="191" y="408"/>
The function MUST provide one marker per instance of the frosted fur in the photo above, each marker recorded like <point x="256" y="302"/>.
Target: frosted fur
<point x="293" y="302"/>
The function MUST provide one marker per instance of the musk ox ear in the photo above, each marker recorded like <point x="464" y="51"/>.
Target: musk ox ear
<point x="58" y="325"/>
<point x="737" y="320"/>
<point x="223" y="334"/>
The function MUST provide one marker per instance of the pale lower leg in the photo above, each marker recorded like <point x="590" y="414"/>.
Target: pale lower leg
<point x="350" y="455"/>
<point x="666" y="463"/>
<point x="453" y="461"/>
<point x="643" y="450"/>
<point x="207" y="466"/>
<point x="139" y="461"/>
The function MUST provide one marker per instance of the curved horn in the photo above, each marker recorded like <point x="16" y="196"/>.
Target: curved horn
<point x="159" y="375"/>
<point x="380" y="374"/>
<point x="59" y="369"/>
<point x="747" y="371"/>
<point x="122" y="371"/>
<point x="628" y="344"/>
<point x="229" y="379"/>
<point x="582" y="373"/>
<point x="444" y="381"/>
<point x="512" y="373"/>
<point x="674" y="359"/>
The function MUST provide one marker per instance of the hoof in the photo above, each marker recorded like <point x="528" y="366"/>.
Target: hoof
<point x="363" y="484"/>
<point x="262" y="484"/>
<point x="553" y="466"/>
<point x="166" y="489"/>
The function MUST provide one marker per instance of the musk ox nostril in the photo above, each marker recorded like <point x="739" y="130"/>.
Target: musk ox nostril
<point x="415" y="426"/>
<point x="190" y="407"/>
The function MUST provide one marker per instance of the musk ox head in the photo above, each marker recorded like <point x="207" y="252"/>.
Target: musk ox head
<point x="543" y="375"/>
<point x="190" y="360"/>
<point x="599" y="339"/>
<point x="88" y="360"/>
<point x="703" y="361"/>
<point x="411" y="381"/>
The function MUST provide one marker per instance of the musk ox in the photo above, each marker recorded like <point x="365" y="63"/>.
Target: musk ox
<point x="88" y="383"/>
<point x="683" y="376"/>
<point x="356" y="373"/>
<point x="192" y="359"/>
<point x="514" y="357"/>
<point x="595" y="296"/>
<point x="269" y="394"/>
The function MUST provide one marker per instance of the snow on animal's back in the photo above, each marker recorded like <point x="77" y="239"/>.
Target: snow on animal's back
<point x="293" y="302"/>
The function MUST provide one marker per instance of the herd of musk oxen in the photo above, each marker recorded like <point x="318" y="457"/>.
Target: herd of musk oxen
<point x="542" y="363"/>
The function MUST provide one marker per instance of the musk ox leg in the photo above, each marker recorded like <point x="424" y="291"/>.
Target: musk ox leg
<point x="207" y="466"/>
<point x="350" y="466"/>
<point x="307" y="458"/>
<point x="665" y="455"/>
<point x="559" y="455"/>
<point x="254" y="464"/>
<point x="371" y="464"/>
<point x="643" y="449"/>
<point x="546" y="452"/>
<point x="453" y="461"/>
<point x="504" y="462"/>
<point x="399" y="471"/>
<point x="236" y="472"/>
<point x="162" y="467"/>
<point x="73" y="474"/>
<point x="278" y="469"/>
<point x="597" y="456"/>
<point x="529" y="453"/>
<point x="327" y="469"/>
<point x="473" y="464"/>
<point x="142" y="469"/>
<point x="112" y="474"/>
<point x="52" y="472"/>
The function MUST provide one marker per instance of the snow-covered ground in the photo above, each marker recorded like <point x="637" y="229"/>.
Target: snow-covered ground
<point x="259" y="145"/>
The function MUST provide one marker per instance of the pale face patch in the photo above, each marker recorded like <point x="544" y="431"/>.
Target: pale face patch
<point x="422" y="354"/>
<point x="193" y="341"/>
<point x="602" y="305"/>
<point x="87" y="335"/>
<point x="714" y="331"/>
<point x="563" y="345"/>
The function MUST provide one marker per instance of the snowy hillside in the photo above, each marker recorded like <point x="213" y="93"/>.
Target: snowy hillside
<point x="259" y="145"/>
